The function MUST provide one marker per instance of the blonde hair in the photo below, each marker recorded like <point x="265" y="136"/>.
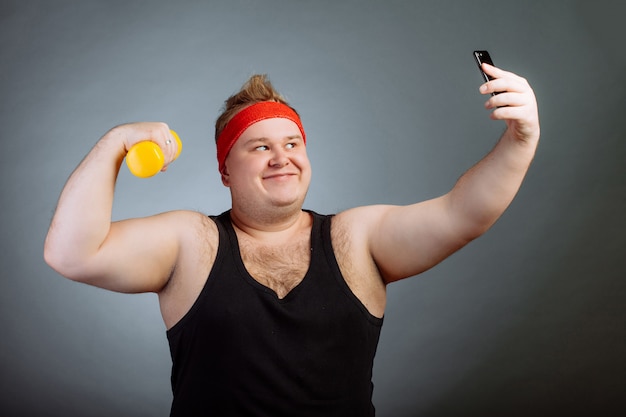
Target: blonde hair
<point x="258" y="88"/>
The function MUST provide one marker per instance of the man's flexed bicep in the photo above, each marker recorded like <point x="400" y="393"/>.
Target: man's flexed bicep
<point x="138" y="255"/>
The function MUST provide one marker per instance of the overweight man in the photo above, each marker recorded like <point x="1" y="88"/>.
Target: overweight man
<point x="272" y="309"/>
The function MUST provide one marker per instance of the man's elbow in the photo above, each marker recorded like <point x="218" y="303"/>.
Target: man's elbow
<point x="61" y="261"/>
<point x="467" y="224"/>
<point x="478" y="226"/>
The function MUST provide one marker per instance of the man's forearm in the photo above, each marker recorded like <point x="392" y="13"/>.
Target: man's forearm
<point x="83" y="215"/>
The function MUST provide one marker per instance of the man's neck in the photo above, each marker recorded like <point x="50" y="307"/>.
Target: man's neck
<point x="271" y="227"/>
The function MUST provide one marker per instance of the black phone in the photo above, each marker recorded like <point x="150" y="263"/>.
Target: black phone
<point x="483" y="57"/>
<point x="480" y="57"/>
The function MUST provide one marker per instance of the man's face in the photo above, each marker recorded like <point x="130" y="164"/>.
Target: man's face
<point x="268" y="165"/>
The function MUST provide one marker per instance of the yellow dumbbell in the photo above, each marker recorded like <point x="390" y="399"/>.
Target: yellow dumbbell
<point x="145" y="159"/>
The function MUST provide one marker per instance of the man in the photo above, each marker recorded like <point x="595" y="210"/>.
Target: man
<point x="272" y="309"/>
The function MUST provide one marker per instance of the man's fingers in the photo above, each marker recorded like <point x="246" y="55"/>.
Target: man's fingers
<point x="506" y="99"/>
<point x="503" y="81"/>
<point x="496" y="72"/>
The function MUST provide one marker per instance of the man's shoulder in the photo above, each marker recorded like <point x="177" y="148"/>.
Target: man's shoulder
<point x="357" y="222"/>
<point x="193" y="226"/>
<point x="362" y="215"/>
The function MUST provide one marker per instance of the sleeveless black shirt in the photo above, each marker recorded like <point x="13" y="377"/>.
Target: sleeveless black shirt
<point x="242" y="351"/>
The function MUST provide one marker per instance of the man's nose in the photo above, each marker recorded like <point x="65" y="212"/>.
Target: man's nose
<point x="279" y="157"/>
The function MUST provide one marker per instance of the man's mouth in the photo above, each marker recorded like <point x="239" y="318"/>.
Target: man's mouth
<point x="278" y="175"/>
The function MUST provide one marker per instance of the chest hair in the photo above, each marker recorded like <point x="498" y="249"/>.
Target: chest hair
<point x="278" y="267"/>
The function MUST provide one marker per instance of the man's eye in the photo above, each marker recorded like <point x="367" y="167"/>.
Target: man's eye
<point x="291" y="145"/>
<point x="261" y="148"/>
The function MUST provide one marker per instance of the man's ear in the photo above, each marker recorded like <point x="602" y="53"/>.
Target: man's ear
<point x="225" y="176"/>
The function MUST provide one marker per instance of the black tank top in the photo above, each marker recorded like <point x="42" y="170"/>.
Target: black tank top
<point x="242" y="351"/>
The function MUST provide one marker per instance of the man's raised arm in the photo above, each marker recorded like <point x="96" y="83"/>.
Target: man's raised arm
<point x="407" y="240"/>
<point x="84" y="245"/>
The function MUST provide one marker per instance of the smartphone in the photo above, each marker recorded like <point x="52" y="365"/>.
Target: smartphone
<point x="483" y="57"/>
<point x="480" y="57"/>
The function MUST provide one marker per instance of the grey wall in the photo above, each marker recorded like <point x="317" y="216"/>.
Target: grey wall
<point x="527" y="320"/>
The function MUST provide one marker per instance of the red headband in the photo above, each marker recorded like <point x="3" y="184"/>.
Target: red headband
<point x="247" y="117"/>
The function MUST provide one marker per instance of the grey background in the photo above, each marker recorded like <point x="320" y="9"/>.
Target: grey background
<point x="527" y="320"/>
